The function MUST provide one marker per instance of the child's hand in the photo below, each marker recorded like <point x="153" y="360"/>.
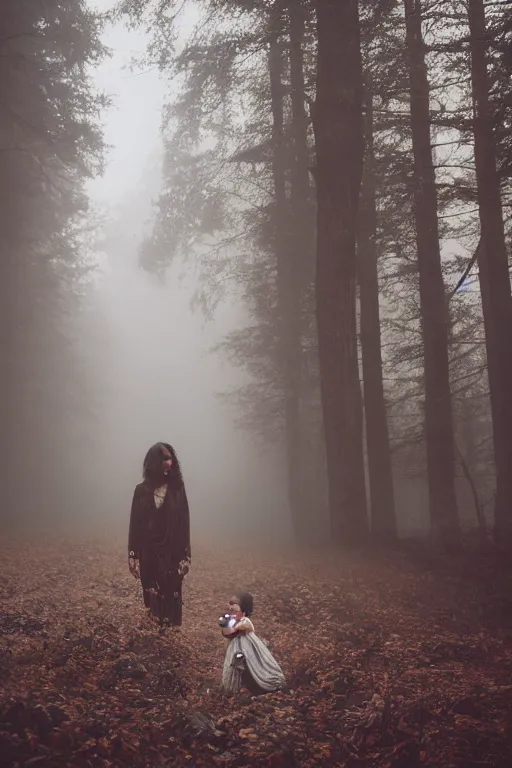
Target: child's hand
<point x="243" y="625"/>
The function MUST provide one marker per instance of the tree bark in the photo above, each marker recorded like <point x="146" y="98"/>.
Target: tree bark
<point x="439" y="435"/>
<point x="300" y="193"/>
<point x="287" y="290"/>
<point x="382" y="497"/>
<point x="302" y="244"/>
<point x="493" y="274"/>
<point x="338" y="128"/>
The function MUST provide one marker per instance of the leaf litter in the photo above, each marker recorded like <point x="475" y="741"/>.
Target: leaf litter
<point x="391" y="662"/>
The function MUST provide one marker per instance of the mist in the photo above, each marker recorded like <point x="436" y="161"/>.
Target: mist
<point x="274" y="236"/>
<point x="150" y="359"/>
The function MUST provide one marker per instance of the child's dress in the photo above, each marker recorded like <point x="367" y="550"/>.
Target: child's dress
<point x="258" y="663"/>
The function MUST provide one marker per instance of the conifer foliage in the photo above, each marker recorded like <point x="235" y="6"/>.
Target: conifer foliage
<point x="356" y="192"/>
<point x="50" y="143"/>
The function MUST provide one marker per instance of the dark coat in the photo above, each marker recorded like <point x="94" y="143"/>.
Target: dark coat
<point x="160" y="540"/>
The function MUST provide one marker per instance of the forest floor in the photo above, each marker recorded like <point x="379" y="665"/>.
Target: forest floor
<point x="398" y="660"/>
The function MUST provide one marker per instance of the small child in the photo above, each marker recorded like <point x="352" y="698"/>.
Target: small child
<point x="248" y="663"/>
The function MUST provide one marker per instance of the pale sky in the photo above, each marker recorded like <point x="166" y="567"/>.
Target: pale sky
<point x="132" y="125"/>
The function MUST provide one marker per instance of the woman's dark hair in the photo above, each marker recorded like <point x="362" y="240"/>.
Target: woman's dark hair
<point x="246" y="602"/>
<point x="152" y="466"/>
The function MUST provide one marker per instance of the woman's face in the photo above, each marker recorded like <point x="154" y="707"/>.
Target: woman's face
<point x="166" y="460"/>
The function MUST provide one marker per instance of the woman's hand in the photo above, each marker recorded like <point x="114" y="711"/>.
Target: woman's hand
<point x="184" y="567"/>
<point x="134" y="566"/>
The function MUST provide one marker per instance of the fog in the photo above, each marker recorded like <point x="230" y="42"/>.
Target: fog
<point x="149" y="353"/>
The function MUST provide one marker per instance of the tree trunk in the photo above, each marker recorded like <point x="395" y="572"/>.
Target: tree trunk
<point x="440" y="444"/>
<point x="338" y="127"/>
<point x="383" y="519"/>
<point x="494" y="275"/>
<point x="288" y="306"/>
<point x="302" y="247"/>
<point x="300" y="188"/>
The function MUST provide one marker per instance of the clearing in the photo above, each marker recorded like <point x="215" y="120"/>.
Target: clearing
<point x="397" y="660"/>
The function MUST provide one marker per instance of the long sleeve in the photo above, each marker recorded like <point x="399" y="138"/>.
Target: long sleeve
<point x="134" y="534"/>
<point x="186" y="523"/>
<point x="180" y="539"/>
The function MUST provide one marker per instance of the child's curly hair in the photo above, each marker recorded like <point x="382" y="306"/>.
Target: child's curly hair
<point x="246" y="602"/>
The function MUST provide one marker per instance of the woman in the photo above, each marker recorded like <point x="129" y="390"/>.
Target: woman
<point x="248" y="662"/>
<point x="159" y="537"/>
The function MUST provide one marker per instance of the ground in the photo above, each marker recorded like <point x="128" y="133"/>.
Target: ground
<point x="392" y="660"/>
